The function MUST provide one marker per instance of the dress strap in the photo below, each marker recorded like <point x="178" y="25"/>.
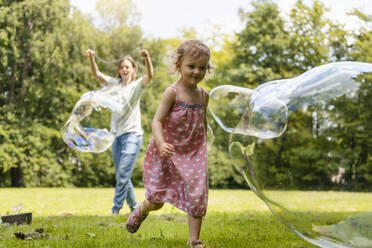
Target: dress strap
<point x="175" y="90"/>
<point x="203" y="95"/>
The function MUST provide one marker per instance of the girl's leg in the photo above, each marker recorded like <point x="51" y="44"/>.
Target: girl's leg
<point x="148" y="206"/>
<point x="194" y="227"/>
<point x="140" y="213"/>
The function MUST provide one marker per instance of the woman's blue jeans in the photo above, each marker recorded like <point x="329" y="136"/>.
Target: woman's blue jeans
<point x="125" y="150"/>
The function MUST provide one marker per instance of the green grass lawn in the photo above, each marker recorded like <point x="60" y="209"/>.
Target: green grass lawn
<point x="77" y="217"/>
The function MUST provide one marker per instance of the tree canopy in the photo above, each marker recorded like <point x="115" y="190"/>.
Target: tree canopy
<point x="44" y="71"/>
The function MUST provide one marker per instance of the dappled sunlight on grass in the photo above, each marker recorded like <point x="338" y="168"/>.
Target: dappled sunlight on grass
<point x="84" y="201"/>
<point x="44" y="202"/>
<point x="81" y="217"/>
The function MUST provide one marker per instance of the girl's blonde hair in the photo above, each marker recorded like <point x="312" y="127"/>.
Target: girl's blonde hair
<point x="131" y="60"/>
<point x="194" y="48"/>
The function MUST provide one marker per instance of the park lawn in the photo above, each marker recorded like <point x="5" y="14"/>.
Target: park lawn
<point x="81" y="217"/>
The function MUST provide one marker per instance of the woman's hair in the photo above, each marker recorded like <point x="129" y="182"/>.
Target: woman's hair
<point x="193" y="48"/>
<point x="131" y="60"/>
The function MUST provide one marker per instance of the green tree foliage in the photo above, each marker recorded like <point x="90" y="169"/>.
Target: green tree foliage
<point x="261" y="49"/>
<point x="44" y="71"/>
<point x="115" y="13"/>
<point x="29" y="75"/>
<point x="359" y="131"/>
<point x="269" y="48"/>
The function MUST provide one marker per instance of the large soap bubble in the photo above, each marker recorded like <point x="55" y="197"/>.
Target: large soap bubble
<point x="306" y="133"/>
<point x="79" y="134"/>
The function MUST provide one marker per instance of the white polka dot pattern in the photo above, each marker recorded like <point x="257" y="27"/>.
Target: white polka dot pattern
<point x="181" y="180"/>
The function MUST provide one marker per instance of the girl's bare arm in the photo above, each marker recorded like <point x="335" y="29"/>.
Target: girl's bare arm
<point x="205" y="112"/>
<point x="167" y="101"/>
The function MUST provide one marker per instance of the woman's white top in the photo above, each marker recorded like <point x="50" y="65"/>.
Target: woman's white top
<point x="128" y="119"/>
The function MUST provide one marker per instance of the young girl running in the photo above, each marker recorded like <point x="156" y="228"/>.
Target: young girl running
<point x="175" y="165"/>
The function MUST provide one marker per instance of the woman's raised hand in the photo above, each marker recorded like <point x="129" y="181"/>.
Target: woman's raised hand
<point x="144" y="53"/>
<point x="90" y="53"/>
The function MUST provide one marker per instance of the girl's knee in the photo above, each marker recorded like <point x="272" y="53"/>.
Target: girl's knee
<point x="155" y="205"/>
<point x="195" y="217"/>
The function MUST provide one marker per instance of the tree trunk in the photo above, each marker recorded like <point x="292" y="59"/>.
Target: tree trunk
<point x="16" y="175"/>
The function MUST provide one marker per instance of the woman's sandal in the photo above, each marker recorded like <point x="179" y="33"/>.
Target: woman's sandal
<point x="195" y="243"/>
<point x="135" y="220"/>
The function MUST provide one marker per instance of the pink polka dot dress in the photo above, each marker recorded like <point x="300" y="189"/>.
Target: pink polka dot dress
<point x="181" y="180"/>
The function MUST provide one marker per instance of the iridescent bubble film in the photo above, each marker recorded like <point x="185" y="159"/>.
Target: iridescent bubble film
<point x="210" y="136"/>
<point x="285" y="130"/>
<point x="84" y="134"/>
